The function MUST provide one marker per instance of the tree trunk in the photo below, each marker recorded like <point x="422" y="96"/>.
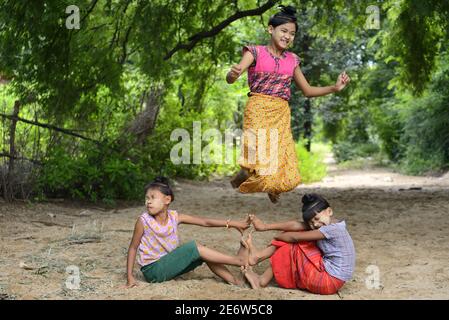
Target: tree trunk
<point x="308" y="124"/>
<point x="9" y="188"/>
<point x="144" y="123"/>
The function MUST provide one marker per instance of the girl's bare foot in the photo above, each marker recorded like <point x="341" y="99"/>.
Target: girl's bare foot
<point x="252" y="277"/>
<point x="274" y="197"/>
<point x="253" y="257"/>
<point x="244" y="251"/>
<point x="239" y="178"/>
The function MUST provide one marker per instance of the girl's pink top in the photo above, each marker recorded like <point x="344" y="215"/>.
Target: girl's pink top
<point x="271" y="75"/>
<point x="157" y="239"/>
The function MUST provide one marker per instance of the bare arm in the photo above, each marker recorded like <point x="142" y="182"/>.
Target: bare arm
<point x="300" y="236"/>
<point x="309" y="91"/>
<point x="240" y="225"/>
<point x="132" y="251"/>
<point x="237" y="70"/>
<point x="291" y="225"/>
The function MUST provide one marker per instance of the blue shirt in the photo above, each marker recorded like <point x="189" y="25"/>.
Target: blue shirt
<point x="338" y="251"/>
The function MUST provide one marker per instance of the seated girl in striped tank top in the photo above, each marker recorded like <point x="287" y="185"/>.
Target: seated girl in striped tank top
<point x="156" y="243"/>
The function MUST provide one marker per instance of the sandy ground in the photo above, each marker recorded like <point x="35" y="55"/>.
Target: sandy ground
<point x="399" y="225"/>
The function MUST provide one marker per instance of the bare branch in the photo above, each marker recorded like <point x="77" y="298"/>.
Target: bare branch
<point x="7" y="155"/>
<point x="124" y="46"/>
<point x="49" y="126"/>
<point x="193" y="40"/>
<point x="94" y="3"/>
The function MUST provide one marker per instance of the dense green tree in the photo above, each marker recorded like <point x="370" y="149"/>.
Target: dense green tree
<point x="92" y="106"/>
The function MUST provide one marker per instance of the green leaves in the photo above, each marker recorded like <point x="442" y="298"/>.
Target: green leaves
<point x="94" y="80"/>
<point x="93" y="174"/>
<point x="416" y="34"/>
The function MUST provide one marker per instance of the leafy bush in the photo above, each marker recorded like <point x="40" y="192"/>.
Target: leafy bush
<point x="311" y="164"/>
<point x="345" y="151"/>
<point x="426" y="135"/>
<point x="97" y="173"/>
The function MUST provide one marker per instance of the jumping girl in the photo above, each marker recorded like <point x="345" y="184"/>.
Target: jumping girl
<point x="270" y="71"/>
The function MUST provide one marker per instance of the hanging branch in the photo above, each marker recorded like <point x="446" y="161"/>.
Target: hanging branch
<point x="49" y="126"/>
<point x="7" y="155"/>
<point x="193" y="40"/>
<point x="89" y="11"/>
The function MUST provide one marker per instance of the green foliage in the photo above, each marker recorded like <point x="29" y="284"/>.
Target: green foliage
<point x="58" y="67"/>
<point x="347" y="151"/>
<point x="311" y="164"/>
<point x="93" y="81"/>
<point x="417" y="30"/>
<point x="426" y="128"/>
<point x="411" y="131"/>
<point x="96" y="174"/>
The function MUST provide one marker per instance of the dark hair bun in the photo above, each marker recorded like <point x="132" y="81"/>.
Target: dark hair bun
<point x="162" y="180"/>
<point x="288" y="10"/>
<point x="309" y="198"/>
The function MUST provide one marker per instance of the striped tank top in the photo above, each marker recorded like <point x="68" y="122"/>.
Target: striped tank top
<point x="157" y="239"/>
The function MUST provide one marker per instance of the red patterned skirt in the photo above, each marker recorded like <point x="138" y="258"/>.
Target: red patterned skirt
<point x="300" y="265"/>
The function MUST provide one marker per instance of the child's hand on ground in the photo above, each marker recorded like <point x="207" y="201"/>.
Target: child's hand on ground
<point x="258" y="224"/>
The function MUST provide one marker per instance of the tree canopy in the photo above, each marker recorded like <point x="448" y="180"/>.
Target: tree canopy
<point x="95" y="105"/>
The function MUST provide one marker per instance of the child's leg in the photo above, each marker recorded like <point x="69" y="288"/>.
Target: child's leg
<point x="266" y="277"/>
<point x="255" y="255"/>
<point x="223" y="272"/>
<point x="211" y="255"/>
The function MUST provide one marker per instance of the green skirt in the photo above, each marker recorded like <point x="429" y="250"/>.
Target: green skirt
<point x="181" y="260"/>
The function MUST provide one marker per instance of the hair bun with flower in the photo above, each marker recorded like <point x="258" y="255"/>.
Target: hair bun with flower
<point x="288" y="10"/>
<point x="285" y="15"/>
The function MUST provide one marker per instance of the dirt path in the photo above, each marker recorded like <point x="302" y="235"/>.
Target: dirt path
<point x="399" y="226"/>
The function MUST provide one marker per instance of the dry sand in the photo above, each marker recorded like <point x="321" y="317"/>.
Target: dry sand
<point x="402" y="232"/>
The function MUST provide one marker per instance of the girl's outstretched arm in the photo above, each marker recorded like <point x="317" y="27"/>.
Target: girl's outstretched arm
<point x="240" y="225"/>
<point x="291" y="225"/>
<point x="238" y="69"/>
<point x="300" y="236"/>
<point x="132" y="251"/>
<point x="309" y="91"/>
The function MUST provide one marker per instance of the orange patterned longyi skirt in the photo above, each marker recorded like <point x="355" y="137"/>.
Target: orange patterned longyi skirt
<point x="268" y="148"/>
